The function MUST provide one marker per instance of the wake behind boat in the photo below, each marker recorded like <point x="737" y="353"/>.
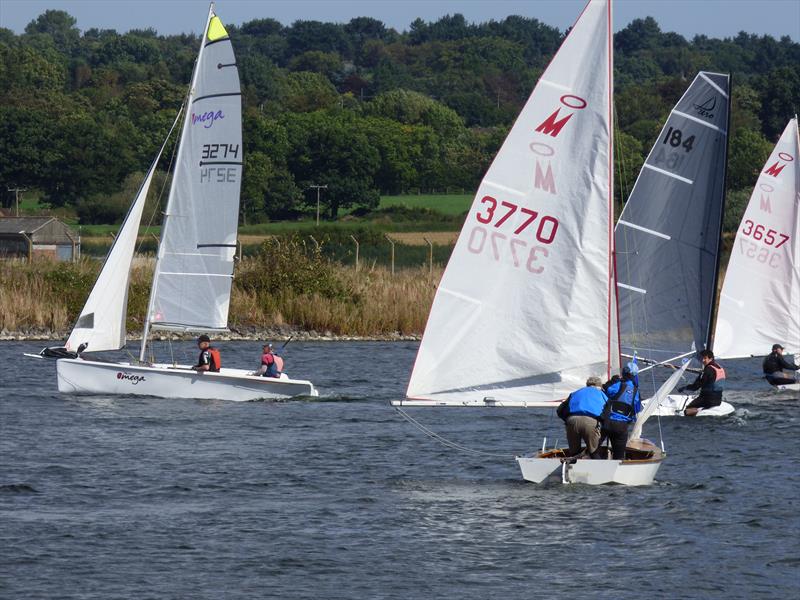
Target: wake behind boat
<point x="194" y="267"/>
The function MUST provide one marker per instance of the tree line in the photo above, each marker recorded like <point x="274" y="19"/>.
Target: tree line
<point x="359" y="107"/>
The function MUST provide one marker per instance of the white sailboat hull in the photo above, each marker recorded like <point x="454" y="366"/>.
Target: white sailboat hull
<point x="79" y="376"/>
<point x="539" y="467"/>
<point x="490" y="402"/>
<point x="674" y="404"/>
<point x="788" y="387"/>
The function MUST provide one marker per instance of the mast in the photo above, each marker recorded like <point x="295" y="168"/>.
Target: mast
<point x="613" y="304"/>
<point x="160" y="254"/>
<point x="715" y="301"/>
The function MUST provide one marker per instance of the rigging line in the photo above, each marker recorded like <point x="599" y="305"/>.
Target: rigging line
<point x="445" y="442"/>
<point x="164" y="184"/>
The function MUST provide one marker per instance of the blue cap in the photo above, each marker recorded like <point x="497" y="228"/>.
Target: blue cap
<point x="630" y="369"/>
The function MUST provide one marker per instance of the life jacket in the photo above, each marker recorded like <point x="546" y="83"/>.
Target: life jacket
<point x="588" y="401"/>
<point x="622" y="403"/>
<point x="274" y="364"/>
<point x="719" y="382"/>
<point x="216" y="360"/>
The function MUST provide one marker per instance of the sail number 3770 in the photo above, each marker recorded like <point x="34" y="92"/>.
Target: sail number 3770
<point x="496" y="214"/>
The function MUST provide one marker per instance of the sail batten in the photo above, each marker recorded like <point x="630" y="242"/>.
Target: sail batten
<point x="524" y="309"/>
<point x="194" y="270"/>
<point x="668" y="235"/>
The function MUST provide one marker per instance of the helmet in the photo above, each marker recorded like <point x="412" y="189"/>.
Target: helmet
<point x="203" y="338"/>
<point x="776" y="347"/>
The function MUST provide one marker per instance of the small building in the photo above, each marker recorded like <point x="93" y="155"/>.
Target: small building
<point x="35" y="237"/>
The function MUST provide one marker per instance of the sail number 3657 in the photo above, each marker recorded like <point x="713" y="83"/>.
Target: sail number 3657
<point x="497" y="213"/>
<point x="757" y="232"/>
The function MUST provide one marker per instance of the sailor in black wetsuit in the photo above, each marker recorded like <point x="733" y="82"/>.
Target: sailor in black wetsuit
<point x="774" y="365"/>
<point x="710" y="383"/>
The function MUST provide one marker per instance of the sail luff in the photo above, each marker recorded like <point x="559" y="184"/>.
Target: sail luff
<point x="166" y="220"/>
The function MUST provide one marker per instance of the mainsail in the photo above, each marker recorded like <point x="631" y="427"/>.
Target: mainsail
<point x="760" y="301"/>
<point x="523" y="311"/>
<point x="101" y="324"/>
<point x="194" y="270"/>
<point x="668" y="235"/>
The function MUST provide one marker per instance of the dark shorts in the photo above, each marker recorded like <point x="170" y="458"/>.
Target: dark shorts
<point x="705" y="401"/>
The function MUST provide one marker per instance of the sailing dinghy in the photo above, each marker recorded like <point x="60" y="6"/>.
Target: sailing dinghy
<point x="526" y="308"/>
<point x="668" y="237"/>
<point x="760" y="303"/>
<point x="194" y="267"/>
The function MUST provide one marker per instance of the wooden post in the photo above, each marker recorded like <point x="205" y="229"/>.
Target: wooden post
<point x="356" y="241"/>
<point x="391" y="241"/>
<point x="430" y="256"/>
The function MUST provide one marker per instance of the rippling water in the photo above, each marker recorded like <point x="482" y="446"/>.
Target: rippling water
<point x="341" y="498"/>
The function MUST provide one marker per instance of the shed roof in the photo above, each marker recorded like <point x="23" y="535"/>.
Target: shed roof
<point x="23" y="224"/>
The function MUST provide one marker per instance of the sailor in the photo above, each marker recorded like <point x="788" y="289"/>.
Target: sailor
<point x="621" y="409"/>
<point x="710" y="382"/>
<point x="775" y="363"/>
<point x="271" y="363"/>
<point x="583" y="409"/>
<point x="209" y="359"/>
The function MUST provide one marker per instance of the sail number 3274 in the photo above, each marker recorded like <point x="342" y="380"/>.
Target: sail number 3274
<point x="544" y="229"/>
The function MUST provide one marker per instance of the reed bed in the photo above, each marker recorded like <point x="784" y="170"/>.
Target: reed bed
<point x="300" y="290"/>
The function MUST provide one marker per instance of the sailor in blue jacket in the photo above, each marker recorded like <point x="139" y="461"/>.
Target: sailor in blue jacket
<point x="621" y="409"/>
<point x="584" y="406"/>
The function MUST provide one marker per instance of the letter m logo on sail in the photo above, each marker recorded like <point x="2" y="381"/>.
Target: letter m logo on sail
<point x="551" y="126"/>
<point x="775" y="169"/>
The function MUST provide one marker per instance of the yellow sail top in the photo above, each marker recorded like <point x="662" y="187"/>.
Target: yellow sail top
<point x="216" y="30"/>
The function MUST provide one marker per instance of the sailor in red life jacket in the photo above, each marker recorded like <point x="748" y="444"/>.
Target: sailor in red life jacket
<point x="710" y="382"/>
<point x="271" y="363"/>
<point x="210" y="358"/>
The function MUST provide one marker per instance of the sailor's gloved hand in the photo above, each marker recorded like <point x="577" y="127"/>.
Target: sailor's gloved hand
<point x="682" y="389"/>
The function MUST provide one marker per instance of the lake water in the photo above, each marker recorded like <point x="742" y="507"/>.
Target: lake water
<point x="131" y="497"/>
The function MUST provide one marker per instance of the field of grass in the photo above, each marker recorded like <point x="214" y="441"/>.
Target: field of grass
<point x="447" y="204"/>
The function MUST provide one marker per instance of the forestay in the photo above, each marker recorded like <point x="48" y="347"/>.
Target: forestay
<point x="523" y="311"/>
<point x="760" y="301"/>
<point x="668" y="235"/>
<point x="101" y="324"/>
<point x="192" y="282"/>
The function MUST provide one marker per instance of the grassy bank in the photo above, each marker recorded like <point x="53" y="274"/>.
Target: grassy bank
<point x="290" y="285"/>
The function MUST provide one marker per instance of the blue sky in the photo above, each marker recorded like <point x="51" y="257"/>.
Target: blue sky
<point x="715" y="18"/>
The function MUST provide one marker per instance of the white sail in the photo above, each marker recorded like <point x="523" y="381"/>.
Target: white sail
<point x="651" y="406"/>
<point x="523" y="311"/>
<point x="101" y="324"/>
<point x="194" y="271"/>
<point x="760" y="300"/>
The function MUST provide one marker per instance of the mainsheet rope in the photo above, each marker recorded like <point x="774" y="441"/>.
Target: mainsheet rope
<point x="449" y="443"/>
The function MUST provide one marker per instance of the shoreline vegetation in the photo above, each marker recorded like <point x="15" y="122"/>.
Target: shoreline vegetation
<point x="287" y="289"/>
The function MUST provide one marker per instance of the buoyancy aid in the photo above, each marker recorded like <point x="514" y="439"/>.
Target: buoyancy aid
<point x="718" y="384"/>
<point x="588" y="401"/>
<point x="216" y="359"/>
<point x="274" y="364"/>
<point x="623" y="401"/>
